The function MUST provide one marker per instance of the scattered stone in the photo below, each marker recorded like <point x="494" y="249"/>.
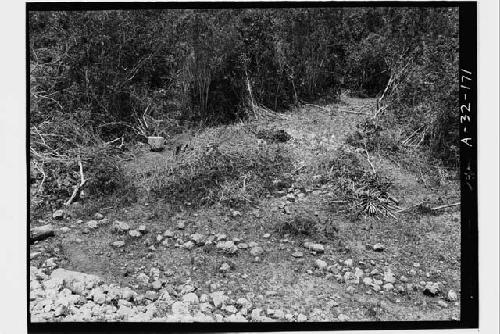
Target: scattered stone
<point x="255" y="251"/>
<point x="134" y="233"/>
<point x="231" y="309"/>
<point x="350" y="289"/>
<point x="266" y="236"/>
<point x="253" y="244"/>
<point x="297" y="254"/>
<point x="188" y="245"/>
<point x="167" y="242"/>
<point x="452" y="296"/>
<point x="301" y="318"/>
<point x="34" y="255"/>
<point x="92" y="224"/>
<point x="204" y="298"/>
<point x="220" y="236"/>
<point x="180" y="308"/>
<point x="227" y="246"/>
<point x="388" y="287"/>
<point x="351" y="278"/>
<point x="255" y="316"/>
<point x="198" y="238"/>
<point x="431" y="289"/>
<point x="120" y="227"/>
<point x="181" y="225"/>
<point x="270" y="293"/>
<point x="168" y="234"/>
<point x="58" y="214"/>
<point x="416" y="265"/>
<point x="403" y="279"/>
<point x="75" y="281"/>
<point x="98" y="216"/>
<point x="142" y="229"/>
<point x="98" y="296"/>
<point x="358" y="273"/>
<point x="367" y="281"/>
<point x="41" y="233"/>
<point x="190" y="298"/>
<point x="159" y="238"/>
<point x="378" y="247"/>
<point x="243" y="303"/>
<point x="318" y="248"/>
<point x="225" y="267"/>
<point x="279" y="314"/>
<point x="118" y="244"/>
<point x="348" y="262"/>
<point x="235" y="213"/>
<point x="243" y="246"/>
<point x="143" y="278"/>
<point x="218" y="298"/>
<point x="442" y="303"/>
<point x="342" y="317"/>
<point x="157" y="285"/>
<point x="187" y="288"/>
<point x="389" y="276"/>
<point x="376" y="287"/>
<point x="400" y="288"/>
<point x="151" y="295"/>
<point x="320" y="264"/>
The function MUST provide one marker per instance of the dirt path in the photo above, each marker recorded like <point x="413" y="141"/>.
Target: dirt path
<point x="280" y="278"/>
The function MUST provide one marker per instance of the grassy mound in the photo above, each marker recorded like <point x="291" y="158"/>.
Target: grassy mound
<point x="226" y="165"/>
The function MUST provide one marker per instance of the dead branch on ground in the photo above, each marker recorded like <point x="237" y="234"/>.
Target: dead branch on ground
<point x="78" y="188"/>
<point x="445" y="206"/>
<point x="369" y="161"/>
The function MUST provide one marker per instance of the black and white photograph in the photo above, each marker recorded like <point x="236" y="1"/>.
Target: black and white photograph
<point x="284" y="165"/>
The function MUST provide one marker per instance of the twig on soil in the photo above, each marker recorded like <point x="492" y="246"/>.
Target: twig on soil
<point x="445" y="206"/>
<point x="78" y="188"/>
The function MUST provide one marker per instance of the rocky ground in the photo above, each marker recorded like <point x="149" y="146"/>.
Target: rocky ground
<point x="222" y="265"/>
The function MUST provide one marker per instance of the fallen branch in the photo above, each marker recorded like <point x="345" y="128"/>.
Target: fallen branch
<point x="380" y="110"/>
<point x="410" y="207"/>
<point x="353" y="112"/>
<point x="445" y="206"/>
<point x="40" y="187"/>
<point x="78" y="188"/>
<point x="371" y="165"/>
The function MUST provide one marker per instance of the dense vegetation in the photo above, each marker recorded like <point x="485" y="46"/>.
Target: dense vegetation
<point x="100" y="76"/>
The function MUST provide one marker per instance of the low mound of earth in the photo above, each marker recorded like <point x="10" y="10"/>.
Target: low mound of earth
<point x="140" y="263"/>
